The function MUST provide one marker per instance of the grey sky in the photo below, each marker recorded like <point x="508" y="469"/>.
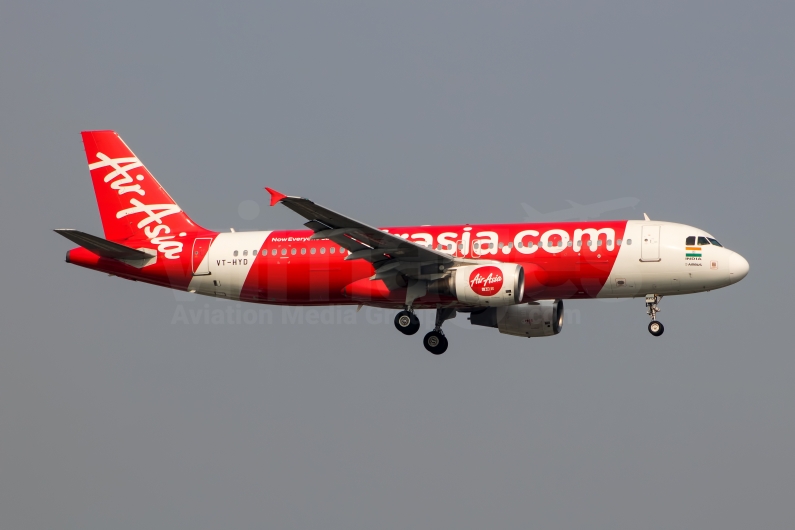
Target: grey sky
<point x="114" y="415"/>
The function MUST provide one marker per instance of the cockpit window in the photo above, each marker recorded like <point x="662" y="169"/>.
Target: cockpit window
<point x="714" y="241"/>
<point x="702" y="240"/>
<point x="690" y="240"/>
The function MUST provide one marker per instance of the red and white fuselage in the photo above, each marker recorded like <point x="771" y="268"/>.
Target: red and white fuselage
<point x="357" y="264"/>
<point x="594" y="259"/>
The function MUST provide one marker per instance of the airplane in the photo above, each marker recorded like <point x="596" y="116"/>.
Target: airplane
<point x="512" y="277"/>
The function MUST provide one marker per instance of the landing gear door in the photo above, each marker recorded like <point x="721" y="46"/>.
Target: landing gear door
<point x="650" y="243"/>
<point x="201" y="266"/>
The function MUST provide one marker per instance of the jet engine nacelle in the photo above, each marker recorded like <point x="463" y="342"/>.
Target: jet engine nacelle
<point x="541" y="318"/>
<point x="492" y="285"/>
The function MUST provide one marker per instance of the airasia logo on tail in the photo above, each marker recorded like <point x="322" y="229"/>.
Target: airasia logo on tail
<point x="486" y="281"/>
<point x="158" y="234"/>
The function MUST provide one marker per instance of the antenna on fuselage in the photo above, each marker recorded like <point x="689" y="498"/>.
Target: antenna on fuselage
<point x="646" y="217"/>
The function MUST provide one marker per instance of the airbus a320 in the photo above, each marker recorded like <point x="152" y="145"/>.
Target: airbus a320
<point x="512" y="277"/>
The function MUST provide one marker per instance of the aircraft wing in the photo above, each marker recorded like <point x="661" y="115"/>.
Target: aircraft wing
<point x="363" y="241"/>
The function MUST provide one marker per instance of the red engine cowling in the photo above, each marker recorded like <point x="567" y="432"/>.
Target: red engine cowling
<point x="492" y="285"/>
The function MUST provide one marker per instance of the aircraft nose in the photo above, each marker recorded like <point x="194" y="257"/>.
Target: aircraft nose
<point x="738" y="267"/>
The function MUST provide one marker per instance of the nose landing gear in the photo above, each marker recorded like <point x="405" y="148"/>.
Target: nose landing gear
<point x="655" y="327"/>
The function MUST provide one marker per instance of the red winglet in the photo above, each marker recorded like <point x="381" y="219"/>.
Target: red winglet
<point x="275" y="196"/>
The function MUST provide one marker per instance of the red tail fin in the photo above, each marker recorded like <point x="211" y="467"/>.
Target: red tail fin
<point x="132" y="204"/>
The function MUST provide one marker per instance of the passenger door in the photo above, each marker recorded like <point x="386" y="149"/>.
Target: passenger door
<point x="650" y="243"/>
<point x="201" y="266"/>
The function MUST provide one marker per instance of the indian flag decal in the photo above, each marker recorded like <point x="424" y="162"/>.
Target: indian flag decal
<point x="692" y="252"/>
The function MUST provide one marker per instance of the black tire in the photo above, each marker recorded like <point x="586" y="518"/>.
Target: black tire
<point x="407" y="323"/>
<point x="656" y="328"/>
<point x="435" y="342"/>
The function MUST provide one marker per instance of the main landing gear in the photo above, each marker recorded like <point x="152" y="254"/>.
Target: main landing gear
<point x="655" y="327"/>
<point x="434" y="341"/>
<point x="407" y="322"/>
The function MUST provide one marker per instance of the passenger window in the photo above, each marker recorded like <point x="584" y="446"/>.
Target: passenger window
<point x="245" y="252"/>
<point x="292" y="251"/>
<point x="284" y="252"/>
<point x="618" y="242"/>
<point x="322" y="250"/>
<point x="342" y="250"/>
<point x="264" y="251"/>
<point x="313" y="250"/>
<point x="691" y="240"/>
<point x="303" y="251"/>
<point x="714" y="242"/>
<point x="702" y="240"/>
<point x="234" y="253"/>
<point x="568" y="244"/>
<point x="629" y="241"/>
<point x="609" y="242"/>
<point x="598" y="242"/>
<point x="331" y="250"/>
<point x="519" y="244"/>
<point x="273" y="252"/>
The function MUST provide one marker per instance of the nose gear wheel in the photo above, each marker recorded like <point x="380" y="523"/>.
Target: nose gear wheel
<point x="655" y="327"/>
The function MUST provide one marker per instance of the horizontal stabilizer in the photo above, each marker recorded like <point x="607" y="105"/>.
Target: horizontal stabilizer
<point x="102" y="247"/>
